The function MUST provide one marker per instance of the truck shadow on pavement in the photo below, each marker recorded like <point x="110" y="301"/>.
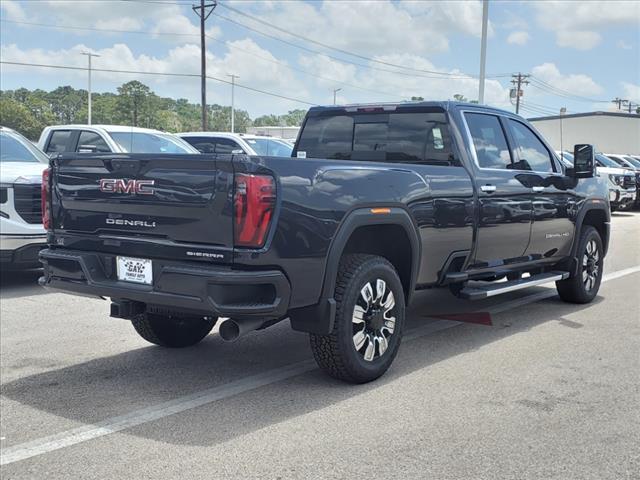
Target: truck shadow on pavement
<point x="104" y="387"/>
<point x="20" y="283"/>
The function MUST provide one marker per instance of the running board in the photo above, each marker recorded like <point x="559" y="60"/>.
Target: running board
<point x="480" y="290"/>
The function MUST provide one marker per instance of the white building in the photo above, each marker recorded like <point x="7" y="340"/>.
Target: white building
<point x="610" y="132"/>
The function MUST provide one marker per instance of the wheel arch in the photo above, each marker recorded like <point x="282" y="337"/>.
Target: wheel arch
<point x="386" y="231"/>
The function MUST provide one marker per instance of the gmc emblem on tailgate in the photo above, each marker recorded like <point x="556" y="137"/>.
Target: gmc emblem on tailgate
<point x="119" y="185"/>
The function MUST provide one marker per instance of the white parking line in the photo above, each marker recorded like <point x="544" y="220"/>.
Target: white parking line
<point x="155" y="412"/>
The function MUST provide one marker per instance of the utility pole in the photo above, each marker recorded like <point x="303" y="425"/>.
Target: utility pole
<point x="519" y="80"/>
<point x="203" y="13"/>
<point x="563" y="110"/>
<point x="233" y="107"/>
<point x="483" y="49"/>
<point x="335" y="90"/>
<point x="89" y="55"/>
<point x="620" y="102"/>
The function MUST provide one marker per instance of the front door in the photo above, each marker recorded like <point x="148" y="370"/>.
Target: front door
<point x="504" y="201"/>
<point x="552" y="196"/>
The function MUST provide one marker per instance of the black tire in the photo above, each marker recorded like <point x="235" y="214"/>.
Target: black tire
<point x="584" y="286"/>
<point x="171" y="331"/>
<point x="336" y="353"/>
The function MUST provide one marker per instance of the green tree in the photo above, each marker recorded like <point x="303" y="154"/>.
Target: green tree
<point x="417" y="99"/>
<point x="132" y="99"/>
<point x="15" y="115"/>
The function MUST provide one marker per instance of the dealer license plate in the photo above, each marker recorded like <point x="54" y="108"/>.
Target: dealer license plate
<point x="136" y="270"/>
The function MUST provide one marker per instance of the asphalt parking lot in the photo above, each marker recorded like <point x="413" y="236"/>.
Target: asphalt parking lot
<point x="550" y="390"/>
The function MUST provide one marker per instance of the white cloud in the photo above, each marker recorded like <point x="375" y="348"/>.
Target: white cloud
<point x="124" y="23"/>
<point x="631" y="91"/>
<point x="12" y="10"/>
<point x="185" y="29"/>
<point x="576" y="24"/>
<point x="381" y="26"/>
<point x="623" y="45"/>
<point x="578" y="84"/>
<point x="518" y="38"/>
<point x="580" y="40"/>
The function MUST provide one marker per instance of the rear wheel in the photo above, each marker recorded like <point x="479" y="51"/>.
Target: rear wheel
<point x="173" y="331"/>
<point x="369" y="320"/>
<point x="584" y="286"/>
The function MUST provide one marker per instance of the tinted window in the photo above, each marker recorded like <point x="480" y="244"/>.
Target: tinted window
<point x="58" y="141"/>
<point x="138" y="142"/>
<point x="489" y="141"/>
<point x="225" y="145"/>
<point x="532" y="154"/>
<point x="91" y="141"/>
<point x="603" y="161"/>
<point x="416" y="137"/>
<point x="13" y="150"/>
<point x="203" y="144"/>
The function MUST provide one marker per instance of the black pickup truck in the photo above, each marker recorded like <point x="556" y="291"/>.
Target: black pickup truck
<point x="377" y="202"/>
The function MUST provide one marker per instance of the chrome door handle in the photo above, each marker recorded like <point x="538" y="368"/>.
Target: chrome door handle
<point x="488" y="188"/>
<point x="537" y="189"/>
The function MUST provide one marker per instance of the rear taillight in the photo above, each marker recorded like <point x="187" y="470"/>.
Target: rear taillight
<point x="45" y="200"/>
<point x="254" y="202"/>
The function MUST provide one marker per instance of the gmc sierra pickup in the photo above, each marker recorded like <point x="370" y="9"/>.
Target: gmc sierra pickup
<point x="377" y="202"/>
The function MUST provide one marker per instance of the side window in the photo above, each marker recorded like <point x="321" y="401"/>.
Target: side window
<point x="58" y="141"/>
<point x="225" y="145"/>
<point x="532" y="154"/>
<point x="202" y="144"/>
<point x="89" y="141"/>
<point x="489" y="141"/>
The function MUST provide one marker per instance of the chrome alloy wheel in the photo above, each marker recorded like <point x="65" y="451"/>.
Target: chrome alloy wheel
<point x="590" y="265"/>
<point x="373" y="322"/>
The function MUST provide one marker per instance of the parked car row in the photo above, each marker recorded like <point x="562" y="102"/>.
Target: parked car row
<point x="623" y="179"/>
<point x="22" y="163"/>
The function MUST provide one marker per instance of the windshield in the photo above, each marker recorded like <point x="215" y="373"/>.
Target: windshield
<point x="143" y="142"/>
<point x="633" y="161"/>
<point x="270" y="146"/>
<point x="606" y="161"/>
<point x="15" y="148"/>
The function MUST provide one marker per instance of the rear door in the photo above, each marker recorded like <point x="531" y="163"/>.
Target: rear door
<point x="504" y="201"/>
<point x="175" y="206"/>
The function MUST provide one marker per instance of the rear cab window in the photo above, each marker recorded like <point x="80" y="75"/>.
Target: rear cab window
<point x="409" y="135"/>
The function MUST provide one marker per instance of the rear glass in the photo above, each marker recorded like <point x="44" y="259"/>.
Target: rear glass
<point x="402" y="137"/>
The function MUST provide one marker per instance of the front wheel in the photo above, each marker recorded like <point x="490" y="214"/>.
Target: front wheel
<point x="369" y="320"/>
<point x="584" y="285"/>
<point x="173" y="331"/>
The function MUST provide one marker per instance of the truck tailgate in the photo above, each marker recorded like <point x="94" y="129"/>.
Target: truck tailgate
<point x="163" y="201"/>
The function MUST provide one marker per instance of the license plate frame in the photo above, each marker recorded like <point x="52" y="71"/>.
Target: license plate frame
<point x="135" y="270"/>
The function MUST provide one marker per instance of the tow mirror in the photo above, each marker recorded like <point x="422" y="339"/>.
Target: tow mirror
<point x="583" y="161"/>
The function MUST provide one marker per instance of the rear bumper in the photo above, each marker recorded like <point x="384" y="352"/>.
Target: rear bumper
<point x="179" y="286"/>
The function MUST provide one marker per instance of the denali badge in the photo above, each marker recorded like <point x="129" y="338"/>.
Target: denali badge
<point x="119" y="185"/>
<point x="130" y="223"/>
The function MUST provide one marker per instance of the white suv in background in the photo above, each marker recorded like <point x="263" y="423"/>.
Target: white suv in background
<point x="622" y="182"/>
<point x="225" y="142"/>
<point x="109" y="139"/>
<point x="21" y="233"/>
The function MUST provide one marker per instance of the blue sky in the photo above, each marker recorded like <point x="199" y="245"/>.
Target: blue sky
<point x="580" y="54"/>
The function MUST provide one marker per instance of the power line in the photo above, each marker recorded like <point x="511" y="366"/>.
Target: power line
<point x="169" y="74"/>
<point x="551" y="89"/>
<point x="228" y="45"/>
<point x="329" y="47"/>
<point x="344" y="61"/>
<point x="518" y="81"/>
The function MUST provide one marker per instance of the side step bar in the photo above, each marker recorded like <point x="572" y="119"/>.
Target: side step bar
<point x="480" y="290"/>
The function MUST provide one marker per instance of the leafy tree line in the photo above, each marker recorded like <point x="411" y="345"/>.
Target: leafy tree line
<point x="29" y="111"/>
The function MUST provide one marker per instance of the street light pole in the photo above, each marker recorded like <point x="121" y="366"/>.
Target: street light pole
<point x="335" y="90"/>
<point x="89" y="55"/>
<point x="233" y="107"/>
<point x="483" y="49"/>
<point x="563" y="110"/>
